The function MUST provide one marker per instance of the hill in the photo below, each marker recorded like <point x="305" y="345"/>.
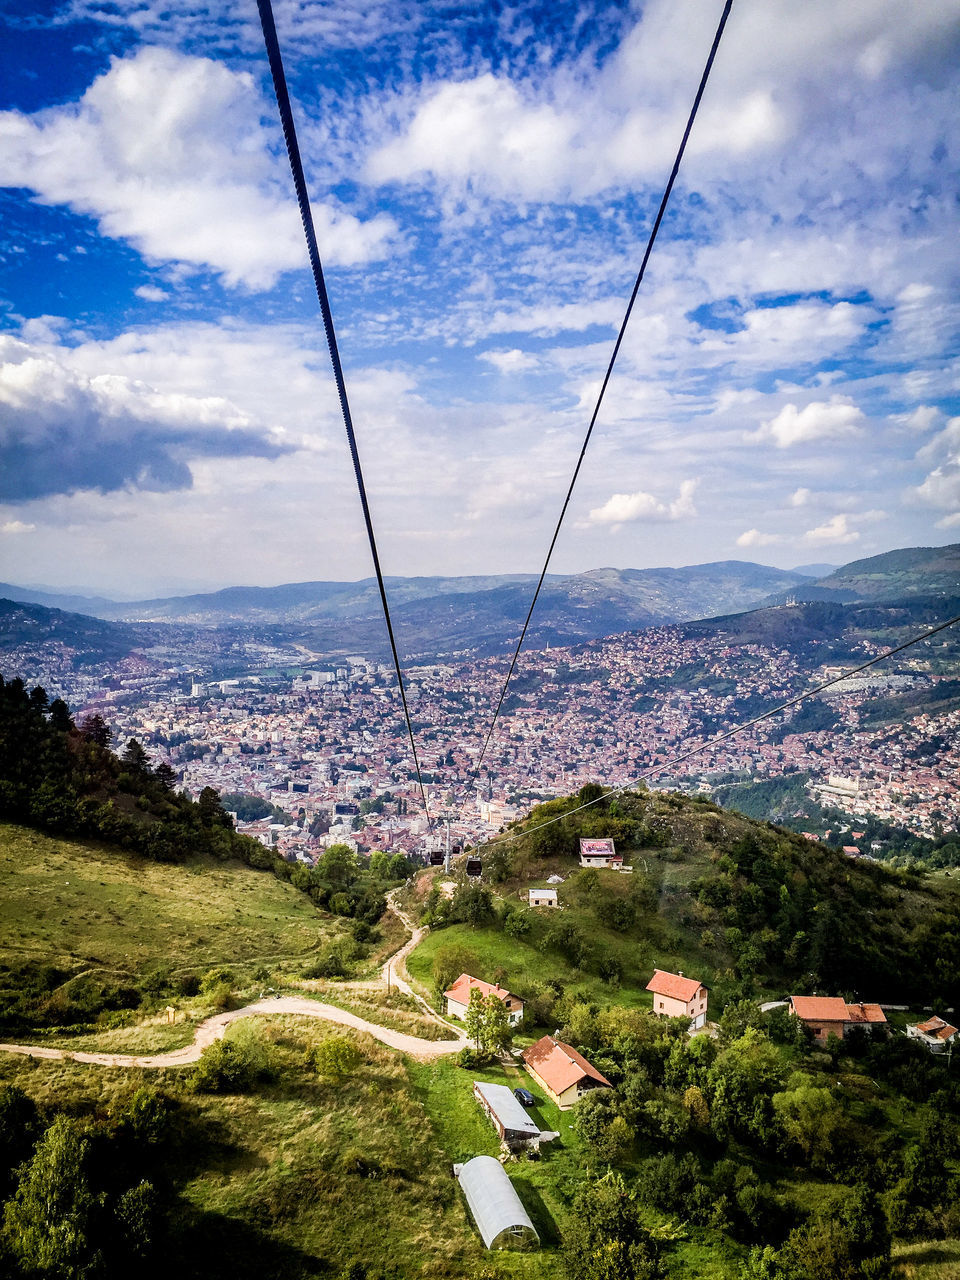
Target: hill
<point x="749" y="907"/>
<point x="895" y="575"/>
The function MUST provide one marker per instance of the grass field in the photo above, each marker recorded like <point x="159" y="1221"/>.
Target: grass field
<point x="82" y="906"/>
<point x="927" y="1260"/>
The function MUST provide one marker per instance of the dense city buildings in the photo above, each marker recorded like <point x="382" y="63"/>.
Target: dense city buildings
<point x="326" y="744"/>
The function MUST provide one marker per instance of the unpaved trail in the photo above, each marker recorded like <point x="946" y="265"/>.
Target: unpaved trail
<point x="214" y="1028"/>
<point x="393" y="974"/>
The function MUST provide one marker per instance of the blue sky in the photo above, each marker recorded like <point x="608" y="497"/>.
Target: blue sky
<point x="484" y="177"/>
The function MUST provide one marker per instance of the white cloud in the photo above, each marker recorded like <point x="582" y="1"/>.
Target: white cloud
<point x="16" y="526"/>
<point x="513" y="361"/>
<point x="625" y="508"/>
<point x="818" y="420"/>
<point x="801" y="498"/>
<point x="150" y="293"/>
<point x="835" y="531"/>
<point x="754" y="538"/>
<point x="168" y="152"/>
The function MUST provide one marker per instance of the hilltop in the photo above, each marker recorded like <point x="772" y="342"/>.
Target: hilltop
<point x="894" y="575"/>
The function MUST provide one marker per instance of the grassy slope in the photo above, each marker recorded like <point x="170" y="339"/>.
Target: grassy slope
<point x="82" y="905"/>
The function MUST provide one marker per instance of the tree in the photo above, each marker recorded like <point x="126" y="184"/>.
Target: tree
<point x="497" y="1033"/>
<point x="336" y="1057"/>
<point x="473" y="1019"/>
<point x="810" y="1116"/>
<point x="49" y="1221"/>
<point x="452" y="959"/>
<point x="338" y="866"/>
<point x="135" y="760"/>
<point x="605" y="1239"/>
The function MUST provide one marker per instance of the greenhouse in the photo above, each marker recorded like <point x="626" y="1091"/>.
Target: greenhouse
<point x="500" y="1217"/>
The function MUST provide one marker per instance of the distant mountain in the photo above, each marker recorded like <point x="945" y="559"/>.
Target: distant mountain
<point x="94" y="639"/>
<point x="895" y="575"/>
<point x="93" y="606"/>
<point x="815" y="570"/>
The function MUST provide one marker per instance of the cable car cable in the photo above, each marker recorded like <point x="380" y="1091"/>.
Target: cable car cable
<point x="306" y="217"/>
<point x="613" y="358"/>
<point x="655" y="770"/>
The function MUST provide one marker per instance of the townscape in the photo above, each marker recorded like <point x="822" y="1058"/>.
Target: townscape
<point x="326" y="744"/>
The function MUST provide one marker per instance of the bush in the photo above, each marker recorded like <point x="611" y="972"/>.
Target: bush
<point x="232" y="1066"/>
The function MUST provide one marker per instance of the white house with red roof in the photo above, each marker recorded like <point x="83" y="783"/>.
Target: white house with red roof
<point x="936" y="1033"/>
<point x="600" y="853"/>
<point x="675" y="996"/>
<point x="561" y="1072"/>
<point x="458" y="997"/>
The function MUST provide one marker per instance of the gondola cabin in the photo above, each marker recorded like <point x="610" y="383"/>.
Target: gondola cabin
<point x="474" y="866"/>
<point x="436" y="857"/>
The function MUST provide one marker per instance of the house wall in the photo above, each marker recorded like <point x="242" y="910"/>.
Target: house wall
<point x="668" y="1007"/>
<point x="823" y="1029"/>
<point x="514" y="1010"/>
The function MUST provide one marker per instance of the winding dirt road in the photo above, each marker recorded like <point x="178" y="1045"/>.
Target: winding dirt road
<point x="393" y="974"/>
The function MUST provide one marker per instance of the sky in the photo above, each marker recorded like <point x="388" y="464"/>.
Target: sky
<point x="483" y="178"/>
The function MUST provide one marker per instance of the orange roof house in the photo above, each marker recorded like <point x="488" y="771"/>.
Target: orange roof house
<point x="936" y="1033"/>
<point x="562" y="1072"/>
<point x="675" y="996"/>
<point x="831" y="1015"/>
<point x="458" y="997"/>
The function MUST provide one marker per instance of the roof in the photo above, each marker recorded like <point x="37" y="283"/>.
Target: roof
<point x="937" y="1027"/>
<point x="865" y="1013"/>
<point x="543" y="893"/>
<point x="493" y="1200"/>
<point x="559" y="1066"/>
<point x="501" y="1103"/>
<point x="674" y="985"/>
<point x="819" y="1008"/>
<point x="835" y="1009"/>
<point x="597" y="848"/>
<point x="460" y="991"/>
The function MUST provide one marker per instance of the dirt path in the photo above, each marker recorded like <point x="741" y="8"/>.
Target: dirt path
<point x="393" y="974"/>
<point x="214" y="1028"/>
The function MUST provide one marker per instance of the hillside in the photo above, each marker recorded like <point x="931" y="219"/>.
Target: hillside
<point x="750" y="908"/>
<point x="895" y="575"/>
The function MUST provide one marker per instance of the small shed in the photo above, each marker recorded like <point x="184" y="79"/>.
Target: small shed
<point x="543" y="898"/>
<point x="509" y="1118"/>
<point x="497" y="1210"/>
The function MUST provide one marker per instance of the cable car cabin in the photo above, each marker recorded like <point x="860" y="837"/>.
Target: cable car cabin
<point x="474" y="866"/>
<point x="456" y="850"/>
<point x="436" y="857"/>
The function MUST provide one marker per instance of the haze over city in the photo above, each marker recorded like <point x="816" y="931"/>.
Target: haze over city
<point x="484" y="180"/>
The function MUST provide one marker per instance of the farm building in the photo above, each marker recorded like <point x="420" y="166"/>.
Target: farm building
<point x="675" y="996"/>
<point x="562" y="1072"/>
<point x="600" y="853"/>
<point x="458" y="997"/>
<point x="543" y="898"/>
<point x="507" y="1115"/>
<point x="501" y="1219"/>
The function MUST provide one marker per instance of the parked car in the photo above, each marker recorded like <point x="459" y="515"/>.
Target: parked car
<point x="524" y="1096"/>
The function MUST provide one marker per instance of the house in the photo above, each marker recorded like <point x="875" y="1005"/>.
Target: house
<point x="675" y="996"/>
<point x="563" y="1074"/>
<point x="935" y="1033"/>
<point x="600" y="853"/>
<point x="543" y="898"/>
<point x="507" y="1115"/>
<point x="458" y="997"/>
<point x="831" y="1015"/>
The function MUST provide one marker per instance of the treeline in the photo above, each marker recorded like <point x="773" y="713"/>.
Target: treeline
<point x="64" y="778"/>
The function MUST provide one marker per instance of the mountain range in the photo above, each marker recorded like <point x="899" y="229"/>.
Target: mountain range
<point x="481" y="615"/>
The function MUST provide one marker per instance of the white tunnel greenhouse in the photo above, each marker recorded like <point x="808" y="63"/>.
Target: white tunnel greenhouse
<point x="500" y="1217"/>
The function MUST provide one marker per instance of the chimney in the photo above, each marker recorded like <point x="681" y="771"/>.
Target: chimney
<point x="680" y="973"/>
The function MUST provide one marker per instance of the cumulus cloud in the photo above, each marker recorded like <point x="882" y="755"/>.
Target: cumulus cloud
<point x="801" y="498"/>
<point x="14" y="527"/>
<point x="168" y="153"/>
<point x="627" y="508"/>
<point x="754" y="538"/>
<point x="834" y="531"/>
<point x="62" y="430"/>
<point x="150" y="293"/>
<point x="818" y="420"/>
<point x="513" y="361"/>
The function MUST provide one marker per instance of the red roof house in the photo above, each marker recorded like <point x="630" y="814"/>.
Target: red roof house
<point x="562" y="1072"/>
<point x="458" y="997"/>
<point x="831" y="1015"/>
<point x="675" y="996"/>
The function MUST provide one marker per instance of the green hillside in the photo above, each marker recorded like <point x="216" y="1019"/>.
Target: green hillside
<point x="749" y="908"/>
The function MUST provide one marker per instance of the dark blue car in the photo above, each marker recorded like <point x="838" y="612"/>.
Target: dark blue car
<point x="524" y="1096"/>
